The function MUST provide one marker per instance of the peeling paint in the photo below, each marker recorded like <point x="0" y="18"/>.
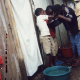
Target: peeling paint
<point x="3" y="43"/>
<point x="17" y="66"/>
<point x="16" y="62"/>
<point x="3" y="20"/>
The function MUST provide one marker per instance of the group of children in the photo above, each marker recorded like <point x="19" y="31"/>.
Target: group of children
<point x="45" y="20"/>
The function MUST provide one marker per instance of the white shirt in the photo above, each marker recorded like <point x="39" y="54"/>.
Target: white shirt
<point x="41" y="23"/>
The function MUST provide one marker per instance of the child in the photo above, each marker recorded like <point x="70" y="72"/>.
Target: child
<point x="52" y="24"/>
<point x="72" y="26"/>
<point x="45" y="38"/>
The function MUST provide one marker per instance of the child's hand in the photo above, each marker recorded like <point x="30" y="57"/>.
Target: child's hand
<point x="59" y="15"/>
<point x="65" y="18"/>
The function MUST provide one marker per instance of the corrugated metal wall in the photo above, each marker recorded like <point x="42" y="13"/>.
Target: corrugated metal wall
<point x="61" y="33"/>
<point x="10" y="50"/>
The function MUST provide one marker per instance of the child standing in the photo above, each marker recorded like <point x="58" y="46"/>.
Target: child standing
<point x="72" y="26"/>
<point x="45" y="38"/>
<point x="54" y="22"/>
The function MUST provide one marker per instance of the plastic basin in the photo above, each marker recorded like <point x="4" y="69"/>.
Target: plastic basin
<point x="66" y="50"/>
<point x="57" y="73"/>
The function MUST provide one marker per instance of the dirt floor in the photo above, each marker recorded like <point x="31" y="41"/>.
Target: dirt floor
<point x="74" y="73"/>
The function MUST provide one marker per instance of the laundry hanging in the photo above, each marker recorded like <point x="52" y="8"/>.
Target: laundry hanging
<point x="27" y="35"/>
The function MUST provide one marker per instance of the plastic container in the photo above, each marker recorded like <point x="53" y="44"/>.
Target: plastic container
<point x="66" y="50"/>
<point x="55" y="23"/>
<point x="57" y="73"/>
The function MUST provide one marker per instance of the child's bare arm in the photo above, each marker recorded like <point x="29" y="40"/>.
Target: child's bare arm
<point x="50" y="16"/>
<point x="65" y="18"/>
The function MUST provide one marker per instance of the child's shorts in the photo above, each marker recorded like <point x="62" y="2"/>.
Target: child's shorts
<point x="49" y="45"/>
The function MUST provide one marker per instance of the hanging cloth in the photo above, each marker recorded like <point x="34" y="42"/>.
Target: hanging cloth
<point x="27" y="35"/>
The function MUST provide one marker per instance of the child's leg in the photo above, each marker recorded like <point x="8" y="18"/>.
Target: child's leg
<point x="77" y="41"/>
<point x="54" y="59"/>
<point x="54" y="49"/>
<point x="48" y="60"/>
<point x="72" y="40"/>
<point x="46" y="47"/>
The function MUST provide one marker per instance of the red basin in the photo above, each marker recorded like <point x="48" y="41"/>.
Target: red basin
<point x="66" y="50"/>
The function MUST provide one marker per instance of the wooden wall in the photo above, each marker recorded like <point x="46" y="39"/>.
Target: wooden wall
<point x="10" y="49"/>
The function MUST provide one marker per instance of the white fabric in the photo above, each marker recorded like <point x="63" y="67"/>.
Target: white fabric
<point x="66" y="9"/>
<point x="27" y="35"/>
<point x="42" y="3"/>
<point x="41" y="23"/>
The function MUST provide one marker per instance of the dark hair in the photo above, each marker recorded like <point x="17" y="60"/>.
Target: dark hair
<point x="38" y="11"/>
<point x="56" y="8"/>
<point x="49" y="8"/>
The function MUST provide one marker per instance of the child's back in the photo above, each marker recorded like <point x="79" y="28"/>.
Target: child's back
<point x="41" y="23"/>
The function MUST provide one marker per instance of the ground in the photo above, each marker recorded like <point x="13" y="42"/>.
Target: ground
<point x="74" y="73"/>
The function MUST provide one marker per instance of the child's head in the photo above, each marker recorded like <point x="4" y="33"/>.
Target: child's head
<point x="53" y="9"/>
<point x="39" y="11"/>
<point x="49" y="10"/>
<point x="57" y="8"/>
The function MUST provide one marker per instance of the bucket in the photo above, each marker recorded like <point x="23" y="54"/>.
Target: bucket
<point x="66" y="50"/>
<point x="57" y="73"/>
<point x="55" y="23"/>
